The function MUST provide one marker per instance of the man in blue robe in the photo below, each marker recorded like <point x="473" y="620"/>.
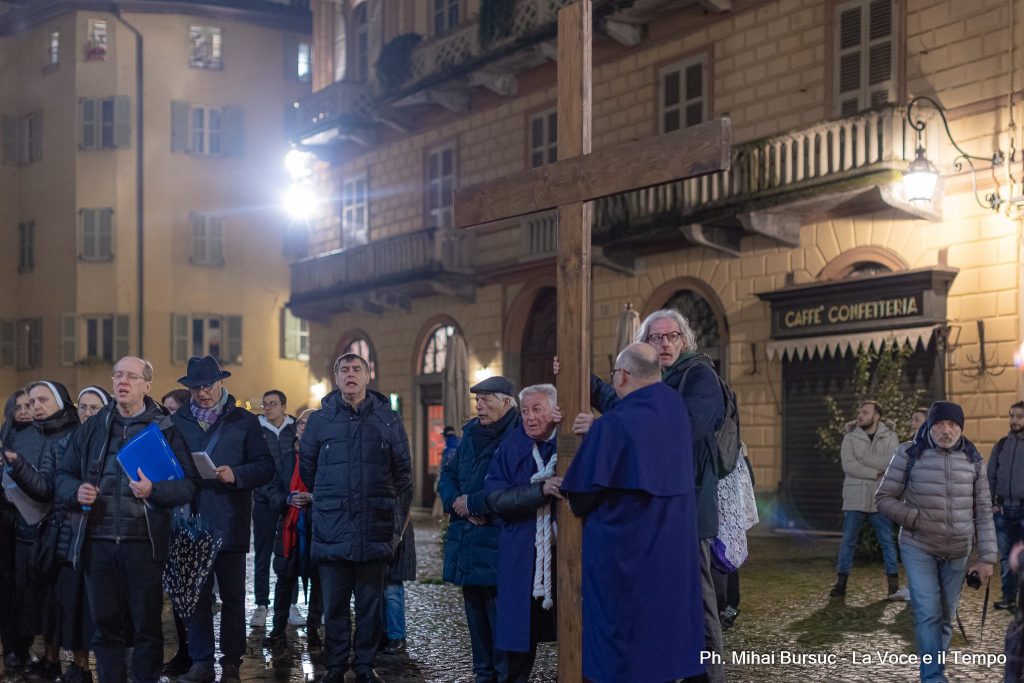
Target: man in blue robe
<point x="632" y="481"/>
<point x="522" y="489"/>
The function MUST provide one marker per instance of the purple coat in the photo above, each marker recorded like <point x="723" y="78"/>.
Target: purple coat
<point x="632" y="481"/>
<point x="511" y="467"/>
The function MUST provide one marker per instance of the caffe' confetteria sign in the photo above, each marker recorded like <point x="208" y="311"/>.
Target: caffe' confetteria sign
<point x="838" y="313"/>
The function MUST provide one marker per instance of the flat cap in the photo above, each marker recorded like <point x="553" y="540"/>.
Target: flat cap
<point x="494" y="385"/>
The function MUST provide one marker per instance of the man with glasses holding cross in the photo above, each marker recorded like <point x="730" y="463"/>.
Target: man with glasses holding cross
<point x="233" y="440"/>
<point x="123" y="537"/>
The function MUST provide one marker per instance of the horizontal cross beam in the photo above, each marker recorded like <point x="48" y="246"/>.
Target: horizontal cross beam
<point x="657" y="160"/>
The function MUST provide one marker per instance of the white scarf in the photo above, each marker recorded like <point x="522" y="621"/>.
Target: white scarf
<point x="542" y="539"/>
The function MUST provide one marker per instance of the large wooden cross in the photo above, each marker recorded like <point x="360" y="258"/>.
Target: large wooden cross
<point x="570" y="185"/>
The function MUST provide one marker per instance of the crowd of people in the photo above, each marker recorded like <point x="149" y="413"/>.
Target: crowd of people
<point x="323" y="499"/>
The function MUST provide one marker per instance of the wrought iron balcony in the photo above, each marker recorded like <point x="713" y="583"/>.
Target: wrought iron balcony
<point x="342" y="110"/>
<point x="848" y="165"/>
<point x="385" y="274"/>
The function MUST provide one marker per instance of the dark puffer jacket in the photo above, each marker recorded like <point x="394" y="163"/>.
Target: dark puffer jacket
<point x="241" y="446"/>
<point x="704" y="402"/>
<point x="281" y="442"/>
<point x="30" y="445"/>
<point x="1006" y="469"/>
<point x="90" y="456"/>
<point x="471" y="551"/>
<point x="355" y="462"/>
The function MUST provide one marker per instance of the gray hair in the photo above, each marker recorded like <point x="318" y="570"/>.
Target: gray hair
<point x="147" y="367"/>
<point x="641" y="362"/>
<point x="546" y="390"/>
<point x="511" y="399"/>
<point x="689" y="337"/>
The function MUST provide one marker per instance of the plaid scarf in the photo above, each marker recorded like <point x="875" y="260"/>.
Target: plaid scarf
<point x="207" y="417"/>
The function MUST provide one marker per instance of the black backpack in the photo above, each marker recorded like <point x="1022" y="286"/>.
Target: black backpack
<point x="728" y="434"/>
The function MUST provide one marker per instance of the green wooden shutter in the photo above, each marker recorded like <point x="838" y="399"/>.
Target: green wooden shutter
<point x="105" y="234"/>
<point x="68" y="341"/>
<point x="231" y="131"/>
<point x="215" y="240"/>
<point x="88" y="218"/>
<point x="179" y="338"/>
<point x="233" y="342"/>
<point x="289" y="336"/>
<point x="122" y="329"/>
<point x="87" y="123"/>
<point x="8" y="333"/>
<point x="179" y="126"/>
<point x="122" y="121"/>
<point x="35" y="343"/>
<point x="36" y="149"/>
<point x="9" y="140"/>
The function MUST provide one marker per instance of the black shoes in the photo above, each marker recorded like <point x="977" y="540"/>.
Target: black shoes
<point x="334" y="676"/>
<point x="368" y="677"/>
<point x="394" y="648"/>
<point x="229" y="673"/>
<point x="201" y="672"/>
<point x="76" y="674"/>
<point x="46" y="670"/>
<point x="1009" y="605"/>
<point x="275" y="639"/>
<point x="728" y="617"/>
<point x="313" y="638"/>
<point x="839" y="590"/>
<point x="178" y="664"/>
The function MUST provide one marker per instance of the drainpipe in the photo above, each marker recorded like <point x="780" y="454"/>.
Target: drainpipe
<point x="139" y="180"/>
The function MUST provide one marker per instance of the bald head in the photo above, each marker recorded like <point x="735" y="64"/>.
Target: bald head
<point x="636" y="367"/>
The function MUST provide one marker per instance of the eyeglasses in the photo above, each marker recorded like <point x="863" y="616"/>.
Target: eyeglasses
<point x="130" y="376"/>
<point x="202" y="387"/>
<point x="656" y="338"/>
<point x="268" y="406"/>
<point x="622" y="370"/>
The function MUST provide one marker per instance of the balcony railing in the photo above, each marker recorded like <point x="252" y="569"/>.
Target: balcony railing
<point x="772" y="169"/>
<point x="345" y="104"/>
<point x="404" y="262"/>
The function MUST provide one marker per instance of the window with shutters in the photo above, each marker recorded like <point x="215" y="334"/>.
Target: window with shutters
<point x="105" y="337"/>
<point x="52" y="58"/>
<point x="441" y="173"/>
<point x="543" y="138"/>
<point x="26" y="246"/>
<point x="361" y="41"/>
<point x="446" y="15"/>
<point x="204" y="130"/>
<point x="97" y="234"/>
<point x="28" y="343"/>
<point x="104" y="122"/>
<point x="354" y="212"/>
<point x="205" y="47"/>
<point x="294" y="336"/>
<point x="96" y="45"/>
<point x="219" y="336"/>
<point x="8" y="337"/>
<point x="21" y="139"/>
<point x="340" y="50"/>
<point x="865" y="49"/>
<point x="207" y="239"/>
<point x="683" y="93"/>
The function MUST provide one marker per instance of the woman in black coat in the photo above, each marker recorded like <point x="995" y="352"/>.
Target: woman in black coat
<point x="17" y="417"/>
<point x="60" y="592"/>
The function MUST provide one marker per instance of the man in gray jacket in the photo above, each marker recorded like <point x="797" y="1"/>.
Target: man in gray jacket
<point x="1006" y="483"/>
<point x="866" y="452"/>
<point x="936" y="489"/>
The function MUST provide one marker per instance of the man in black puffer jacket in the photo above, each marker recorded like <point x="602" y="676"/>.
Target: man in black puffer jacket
<point x="123" y="540"/>
<point x="354" y="459"/>
<point x="233" y="439"/>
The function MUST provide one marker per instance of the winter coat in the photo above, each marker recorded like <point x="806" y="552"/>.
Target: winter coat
<point x="281" y="442"/>
<point x="227" y="508"/>
<point x="403" y="567"/>
<point x="276" y="496"/>
<point x="30" y="445"/>
<point x="706" y="407"/>
<point x="1006" y="468"/>
<point x="355" y="462"/>
<point x="88" y="458"/>
<point x="470" y="551"/>
<point x="946" y="502"/>
<point x="864" y="461"/>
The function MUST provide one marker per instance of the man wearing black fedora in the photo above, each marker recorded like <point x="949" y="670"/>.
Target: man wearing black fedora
<point x="233" y="440"/>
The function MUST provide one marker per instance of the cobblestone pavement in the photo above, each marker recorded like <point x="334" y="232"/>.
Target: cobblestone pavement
<point x="785" y="613"/>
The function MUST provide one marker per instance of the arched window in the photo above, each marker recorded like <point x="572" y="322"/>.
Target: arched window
<point x="434" y="352"/>
<point x="701" y="316"/>
<point x="361" y="346"/>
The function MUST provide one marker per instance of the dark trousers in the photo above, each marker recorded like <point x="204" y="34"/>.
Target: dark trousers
<point x="339" y="580"/>
<point x="1009" y="522"/>
<point x="229" y="569"/>
<point x="10" y="619"/>
<point x="123" y="578"/>
<point x="482" y="619"/>
<point x="519" y="665"/>
<point x="727" y="589"/>
<point x="283" y="591"/>
<point x="264" y="523"/>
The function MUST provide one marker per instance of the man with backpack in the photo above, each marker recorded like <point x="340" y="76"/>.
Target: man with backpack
<point x="936" y="489"/>
<point x="715" y="430"/>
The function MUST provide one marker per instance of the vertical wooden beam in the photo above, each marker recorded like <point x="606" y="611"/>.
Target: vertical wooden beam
<point x="573" y="280"/>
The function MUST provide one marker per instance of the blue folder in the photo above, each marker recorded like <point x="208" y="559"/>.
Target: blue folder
<point x="150" y="451"/>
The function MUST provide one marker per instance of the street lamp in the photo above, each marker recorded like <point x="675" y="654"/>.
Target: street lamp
<point x="300" y="202"/>
<point x="921" y="177"/>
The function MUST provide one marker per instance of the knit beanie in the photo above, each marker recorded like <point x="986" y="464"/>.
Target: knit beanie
<point x="945" y="410"/>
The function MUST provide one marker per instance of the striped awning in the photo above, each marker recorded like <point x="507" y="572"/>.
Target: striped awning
<point x="838" y="344"/>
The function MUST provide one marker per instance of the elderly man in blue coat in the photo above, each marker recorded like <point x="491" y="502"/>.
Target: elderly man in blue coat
<point x="632" y="482"/>
<point x="471" y="544"/>
<point x="233" y="440"/>
<point x="522" y="489"/>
